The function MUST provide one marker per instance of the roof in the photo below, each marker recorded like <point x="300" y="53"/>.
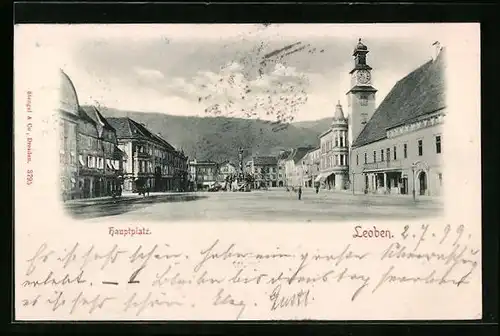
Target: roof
<point x="420" y="93"/>
<point x="312" y="150"/>
<point x="360" y="47"/>
<point x="299" y="153"/>
<point x="92" y="114"/>
<point x="339" y="113"/>
<point x="127" y="128"/>
<point x="284" y="154"/>
<point x="265" y="160"/>
<point x="202" y="163"/>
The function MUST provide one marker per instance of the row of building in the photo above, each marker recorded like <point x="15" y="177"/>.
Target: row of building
<point x="101" y="156"/>
<point x="395" y="148"/>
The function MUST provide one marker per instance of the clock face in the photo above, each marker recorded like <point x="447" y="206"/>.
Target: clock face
<point x="364" y="76"/>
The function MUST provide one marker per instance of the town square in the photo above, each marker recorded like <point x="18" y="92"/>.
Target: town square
<point x="244" y="155"/>
<point x="274" y="205"/>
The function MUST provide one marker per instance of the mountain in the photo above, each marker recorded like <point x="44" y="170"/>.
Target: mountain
<point x="219" y="138"/>
<point x="318" y="126"/>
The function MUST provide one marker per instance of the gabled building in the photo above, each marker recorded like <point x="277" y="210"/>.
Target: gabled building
<point x="151" y="161"/>
<point x="295" y="166"/>
<point x="399" y="147"/>
<point x="312" y="162"/>
<point x="100" y="160"/>
<point x="282" y="157"/>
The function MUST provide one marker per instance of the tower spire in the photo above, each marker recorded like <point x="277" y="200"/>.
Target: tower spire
<point x="339" y="113"/>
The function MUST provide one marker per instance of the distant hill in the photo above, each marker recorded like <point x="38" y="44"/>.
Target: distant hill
<point x="318" y="126"/>
<point x="219" y="138"/>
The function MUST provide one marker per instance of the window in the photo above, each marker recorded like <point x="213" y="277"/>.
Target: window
<point x="405" y="151"/>
<point x="438" y="144"/>
<point x="366" y="158"/>
<point x="341" y="141"/>
<point x="394" y="153"/>
<point x="357" y="160"/>
<point x="341" y="160"/>
<point x="382" y="155"/>
<point x="388" y="154"/>
<point x="420" y="148"/>
<point x="336" y="141"/>
<point x="440" y="176"/>
<point x="374" y="156"/>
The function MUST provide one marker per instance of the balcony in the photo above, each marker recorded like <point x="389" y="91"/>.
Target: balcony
<point x="383" y="165"/>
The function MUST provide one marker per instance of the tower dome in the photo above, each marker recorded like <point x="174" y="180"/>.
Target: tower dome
<point x="360" y="46"/>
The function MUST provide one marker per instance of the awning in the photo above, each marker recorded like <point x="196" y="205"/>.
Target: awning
<point x="322" y="177"/>
<point x="382" y="170"/>
<point x="319" y="178"/>
<point x="80" y="158"/>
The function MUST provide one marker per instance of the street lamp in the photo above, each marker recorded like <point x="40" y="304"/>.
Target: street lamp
<point x="413" y="165"/>
<point x="353" y="183"/>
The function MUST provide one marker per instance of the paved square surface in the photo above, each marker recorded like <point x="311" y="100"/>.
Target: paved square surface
<point x="272" y="205"/>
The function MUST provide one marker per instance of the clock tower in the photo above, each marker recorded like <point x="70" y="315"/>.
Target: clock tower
<point x="361" y="96"/>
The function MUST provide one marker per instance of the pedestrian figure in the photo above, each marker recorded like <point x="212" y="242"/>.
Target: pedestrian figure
<point x="300" y="193"/>
<point x="317" y="189"/>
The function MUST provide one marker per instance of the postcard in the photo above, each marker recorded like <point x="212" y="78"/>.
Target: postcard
<point x="247" y="172"/>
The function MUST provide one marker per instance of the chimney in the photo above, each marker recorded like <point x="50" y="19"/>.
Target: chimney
<point x="436" y="49"/>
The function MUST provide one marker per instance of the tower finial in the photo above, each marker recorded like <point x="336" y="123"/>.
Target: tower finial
<point x="359" y="40"/>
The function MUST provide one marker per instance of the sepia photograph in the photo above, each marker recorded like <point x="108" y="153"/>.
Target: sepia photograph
<point x="173" y="172"/>
<point x="252" y="123"/>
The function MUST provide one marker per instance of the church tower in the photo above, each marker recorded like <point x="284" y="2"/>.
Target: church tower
<point x="361" y="96"/>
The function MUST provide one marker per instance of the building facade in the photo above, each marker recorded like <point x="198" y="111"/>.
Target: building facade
<point x="264" y="169"/>
<point x="281" y="163"/>
<point x="100" y="160"/>
<point x="334" y="153"/>
<point x="295" y="166"/>
<point x="203" y="174"/>
<point x="68" y="148"/>
<point x="399" y="149"/>
<point x="227" y="171"/>
<point x="151" y="162"/>
<point x="312" y="170"/>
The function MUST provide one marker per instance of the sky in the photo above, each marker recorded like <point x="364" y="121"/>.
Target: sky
<point x="286" y="72"/>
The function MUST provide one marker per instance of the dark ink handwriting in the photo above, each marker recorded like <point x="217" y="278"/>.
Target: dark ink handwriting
<point x="297" y="299"/>
<point x="50" y="280"/>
